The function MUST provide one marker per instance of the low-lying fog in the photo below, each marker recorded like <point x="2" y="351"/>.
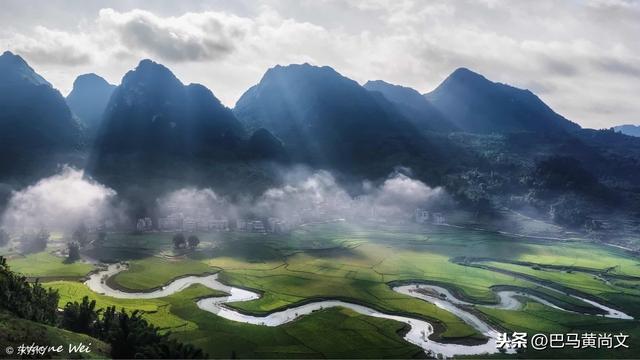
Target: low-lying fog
<point x="66" y="200"/>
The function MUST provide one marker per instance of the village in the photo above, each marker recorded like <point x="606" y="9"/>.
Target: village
<point x="179" y="222"/>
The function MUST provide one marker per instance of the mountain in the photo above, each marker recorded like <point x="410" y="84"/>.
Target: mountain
<point x="153" y="120"/>
<point x="413" y="105"/>
<point x="476" y="104"/>
<point x="89" y="99"/>
<point x="37" y="129"/>
<point x="327" y="120"/>
<point x="263" y="145"/>
<point x="631" y="130"/>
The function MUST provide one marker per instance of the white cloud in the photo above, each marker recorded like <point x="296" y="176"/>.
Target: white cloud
<point x="59" y="202"/>
<point x="48" y="46"/>
<point x="305" y="192"/>
<point x="189" y="37"/>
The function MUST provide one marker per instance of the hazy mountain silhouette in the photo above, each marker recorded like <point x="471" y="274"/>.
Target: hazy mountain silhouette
<point x="156" y="126"/>
<point x="89" y="99"/>
<point x="413" y="105"/>
<point x="631" y="130"/>
<point x="36" y="127"/>
<point x="262" y="145"/>
<point x="476" y="104"/>
<point x="327" y="120"/>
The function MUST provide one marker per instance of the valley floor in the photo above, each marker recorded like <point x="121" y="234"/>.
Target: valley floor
<point x="358" y="264"/>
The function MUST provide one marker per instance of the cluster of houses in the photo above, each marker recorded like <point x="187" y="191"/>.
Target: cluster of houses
<point x="179" y="222"/>
<point x="94" y="225"/>
<point x="423" y="216"/>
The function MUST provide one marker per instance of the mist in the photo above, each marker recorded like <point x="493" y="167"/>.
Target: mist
<point x="64" y="201"/>
<point x="308" y="196"/>
<point x="60" y="202"/>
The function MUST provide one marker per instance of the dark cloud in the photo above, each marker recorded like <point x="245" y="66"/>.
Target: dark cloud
<point x="616" y="66"/>
<point x="560" y="67"/>
<point x="196" y="37"/>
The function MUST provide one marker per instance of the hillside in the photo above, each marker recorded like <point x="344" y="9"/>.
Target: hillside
<point x="631" y="130"/>
<point x="413" y="106"/>
<point x="88" y="99"/>
<point x="37" y="130"/>
<point x="476" y="104"/>
<point x="327" y="120"/>
<point x="17" y="331"/>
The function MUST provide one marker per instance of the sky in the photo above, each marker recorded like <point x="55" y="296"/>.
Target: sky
<point x="581" y="57"/>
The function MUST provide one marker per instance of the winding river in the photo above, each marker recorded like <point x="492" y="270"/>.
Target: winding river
<point x="418" y="334"/>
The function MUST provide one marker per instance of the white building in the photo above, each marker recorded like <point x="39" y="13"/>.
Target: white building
<point x="256" y="226"/>
<point x="421" y="216"/>
<point x="241" y="225"/>
<point x="190" y="224"/>
<point x="277" y="225"/>
<point x="218" y="224"/>
<point x="172" y="222"/>
<point x="144" y="224"/>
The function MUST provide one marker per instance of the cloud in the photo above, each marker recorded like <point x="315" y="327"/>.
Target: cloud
<point x="190" y="37"/>
<point x="616" y="66"/>
<point x="316" y="195"/>
<point x="194" y="202"/>
<point x="579" y="52"/>
<point x="59" y="202"/>
<point x="48" y="46"/>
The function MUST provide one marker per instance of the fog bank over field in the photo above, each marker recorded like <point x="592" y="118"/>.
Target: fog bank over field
<point x="313" y="194"/>
<point x="64" y="201"/>
<point x="59" y="202"/>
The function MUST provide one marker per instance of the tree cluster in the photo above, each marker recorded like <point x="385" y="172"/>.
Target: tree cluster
<point x="74" y="252"/>
<point x="130" y="336"/>
<point x="27" y="300"/>
<point x="34" y="242"/>
<point x="180" y="242"/>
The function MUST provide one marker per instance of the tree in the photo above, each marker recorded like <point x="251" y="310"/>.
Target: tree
<point x="193" y="241"/>
<point x="26" y="300"/>
<point x="34" y="242"/>
<point x="129" y="335"/>
<point x="80" y="317"/>
<point x="81" y="235"/>
<point x="4" y="237"/>
<point x="74" y="252"/>
<point x="179" y="242"/>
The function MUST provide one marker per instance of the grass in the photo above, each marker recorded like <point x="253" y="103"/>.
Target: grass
<point x="16" y="331"/>
<point x="356" y="264"/>
<point x="625" y="297"/>
<point x="536" y="318"/>
<point x="157" y="311"/>
<point x="45" y="265"/>
<point x="154" y="272"/>
<point x="331" y="333"/>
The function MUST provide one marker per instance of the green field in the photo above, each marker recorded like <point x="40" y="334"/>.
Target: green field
<point x="154" y="272"/>
<point x="45" y="265"/>
<point x="357" y="264"/>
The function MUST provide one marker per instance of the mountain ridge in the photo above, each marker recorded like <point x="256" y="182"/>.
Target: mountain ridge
<point x="628" y="129"/>
<point x="476" y="104"/>
<point x="88" y="100"/>
<point x="37" y="129"/>
<point x="412" y="105"/>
